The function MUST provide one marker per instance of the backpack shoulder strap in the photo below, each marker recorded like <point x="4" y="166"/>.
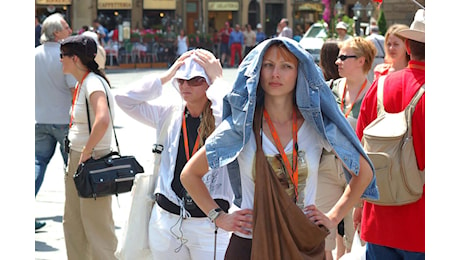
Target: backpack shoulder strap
<point x="417" y="97"/>
<point x="380" y="86"/>
<point x="409" y="111"/>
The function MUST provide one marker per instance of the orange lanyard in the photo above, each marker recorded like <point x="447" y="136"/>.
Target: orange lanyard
<point x="293" y="171"/>
<point x="356" y="98"/>
<point x="75" y="95"/>
<point x="184" y="133"/>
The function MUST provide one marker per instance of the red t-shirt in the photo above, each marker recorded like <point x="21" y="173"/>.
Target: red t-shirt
<point x="401" y="227"/>
<point x="225" y="37"/>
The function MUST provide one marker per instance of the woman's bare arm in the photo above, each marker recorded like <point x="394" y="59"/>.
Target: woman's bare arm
<point x="191" y="178"/>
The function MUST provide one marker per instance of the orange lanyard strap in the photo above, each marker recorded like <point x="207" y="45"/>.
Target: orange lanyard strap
<point x="75" y="95"/>
<point x="184" y="133"/>
<point x="293" y="171"/>
<point x="356" y="98"/>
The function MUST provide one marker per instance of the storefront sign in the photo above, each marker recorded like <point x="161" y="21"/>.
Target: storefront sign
<point x="114" y="4"/>
<point x="311" y="6"/>
<point x="223" y="6"/>
<point x="53" y="2"/>
<point x="160" y="4"/>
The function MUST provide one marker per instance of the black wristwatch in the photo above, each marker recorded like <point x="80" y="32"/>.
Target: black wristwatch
<point x="214" y="213"/>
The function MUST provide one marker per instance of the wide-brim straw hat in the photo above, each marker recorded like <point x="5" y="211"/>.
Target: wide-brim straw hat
<point x="416" y="31"/>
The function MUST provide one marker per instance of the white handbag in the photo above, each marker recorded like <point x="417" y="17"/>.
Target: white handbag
<point x="134" y="242"/>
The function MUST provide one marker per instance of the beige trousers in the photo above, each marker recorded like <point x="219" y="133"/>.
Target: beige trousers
<point x="89" y="229"/>
<point x="331" y="185"/>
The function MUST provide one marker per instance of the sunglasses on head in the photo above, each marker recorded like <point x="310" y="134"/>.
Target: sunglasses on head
<point x="194" y="82"/>
<point x="344" y="57"/>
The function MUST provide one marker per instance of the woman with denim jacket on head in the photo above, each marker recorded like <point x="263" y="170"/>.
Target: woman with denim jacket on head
<point x="178" y="229"/>
<point x="300" y="114"/>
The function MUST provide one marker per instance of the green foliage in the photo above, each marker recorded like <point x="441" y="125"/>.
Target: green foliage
<point x="382" y="22"/>
<point x="135" y="35"/>
<point x="202" y="39"/>
<point x="149" y="35"/>
<point x="350" y="22"/>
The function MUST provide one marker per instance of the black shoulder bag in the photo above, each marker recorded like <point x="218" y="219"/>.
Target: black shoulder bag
<point x="109" y="175"/>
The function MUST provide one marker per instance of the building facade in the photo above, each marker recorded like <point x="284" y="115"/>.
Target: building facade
<point x="209" y="16"/>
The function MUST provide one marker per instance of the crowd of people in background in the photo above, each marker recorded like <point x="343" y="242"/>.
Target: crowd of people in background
<point x="347" y="78"/>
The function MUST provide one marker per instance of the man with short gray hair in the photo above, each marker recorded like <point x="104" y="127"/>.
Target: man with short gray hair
<point x="53" y="97"/>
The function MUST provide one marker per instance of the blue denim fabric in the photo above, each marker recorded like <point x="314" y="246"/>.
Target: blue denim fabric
<point x="233" y="169"/>
<point x="376" y="252"/>
<point x="46" y="138"/>
<point x="314" y="100"/>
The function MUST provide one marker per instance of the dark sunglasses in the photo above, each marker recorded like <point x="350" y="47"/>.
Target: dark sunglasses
<point x="344" y="57"/>
<point x="193" y="82"/>
<point x="65" y="54"/>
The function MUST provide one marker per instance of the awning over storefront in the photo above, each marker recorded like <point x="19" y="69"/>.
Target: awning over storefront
<point x="311" y="7"/>
<point x="114" y="4"/>
<point x="223" y="6"/>
<point x="160" y="4"/>
<point x="53" y="2"/>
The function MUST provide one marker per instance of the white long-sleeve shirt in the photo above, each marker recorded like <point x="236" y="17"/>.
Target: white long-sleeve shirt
<point x="149" y="102"/>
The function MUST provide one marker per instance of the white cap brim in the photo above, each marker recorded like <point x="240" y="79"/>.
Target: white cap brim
<point x="189" y="70"/>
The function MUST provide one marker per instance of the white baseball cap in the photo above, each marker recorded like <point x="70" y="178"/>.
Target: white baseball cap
<point x="341" y="25"/>
<point x="189" y="70"/>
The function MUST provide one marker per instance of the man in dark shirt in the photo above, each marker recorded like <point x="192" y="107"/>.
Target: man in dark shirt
<point x="38" y="31"/>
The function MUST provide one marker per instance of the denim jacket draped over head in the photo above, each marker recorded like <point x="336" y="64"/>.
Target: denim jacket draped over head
<point x="314" y="100"/>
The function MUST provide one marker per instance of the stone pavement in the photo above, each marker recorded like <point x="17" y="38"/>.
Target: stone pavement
<point x="134" y="139"/>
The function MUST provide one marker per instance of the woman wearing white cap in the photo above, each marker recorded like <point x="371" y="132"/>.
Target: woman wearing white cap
<point x="178" y="229"/>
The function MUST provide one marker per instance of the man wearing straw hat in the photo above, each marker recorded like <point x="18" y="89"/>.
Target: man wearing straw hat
<point x="398" y="232"/>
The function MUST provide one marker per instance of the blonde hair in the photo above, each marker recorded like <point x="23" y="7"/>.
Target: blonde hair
<point x="362" y="48"/>
<point x="393" y="30"/>
<point x="207" y="124"/>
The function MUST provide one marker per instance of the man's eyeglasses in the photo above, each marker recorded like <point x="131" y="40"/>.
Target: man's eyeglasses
<point x="65" y="54"/>
<point x="193" y="82"/>
<point x="344" y="57"/>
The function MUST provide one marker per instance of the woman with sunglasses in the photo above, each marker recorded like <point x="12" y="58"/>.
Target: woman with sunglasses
<point x="89" y="229"/>
<point x="280" y="88"/>
<point x="354" y="61"/>
<point x="178" y="229"/>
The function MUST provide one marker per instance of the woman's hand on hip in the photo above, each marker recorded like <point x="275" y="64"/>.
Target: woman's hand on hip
<point x="240" y="221"/>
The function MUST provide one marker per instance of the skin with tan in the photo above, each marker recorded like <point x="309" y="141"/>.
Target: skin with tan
<point x="277" y="78"/>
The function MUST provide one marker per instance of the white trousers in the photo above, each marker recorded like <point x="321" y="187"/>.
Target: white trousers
<point x="171" y="237"/>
